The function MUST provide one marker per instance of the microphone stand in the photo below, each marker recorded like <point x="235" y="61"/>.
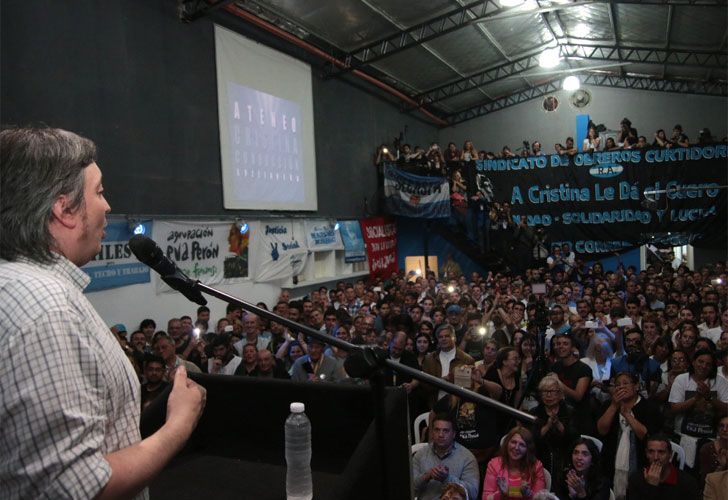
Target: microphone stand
<point x="368" y="362"/>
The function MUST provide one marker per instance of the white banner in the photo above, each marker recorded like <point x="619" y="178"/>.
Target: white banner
<point x="212" y="252"/>
<point x="280" y="249"/>
<point x="322" y="235"/>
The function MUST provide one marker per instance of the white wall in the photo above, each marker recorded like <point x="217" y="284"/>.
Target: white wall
<point x="648" y="111"/>
<point x="131" y="304"/>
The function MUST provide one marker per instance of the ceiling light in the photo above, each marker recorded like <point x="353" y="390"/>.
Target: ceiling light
<point x="571" y="83"/>
<point x="581" y="30"/>
<point x="510" y="3"/>
<point x="549" y="58"/>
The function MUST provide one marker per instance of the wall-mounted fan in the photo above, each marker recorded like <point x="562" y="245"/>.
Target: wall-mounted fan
<point x="580" y="98"/>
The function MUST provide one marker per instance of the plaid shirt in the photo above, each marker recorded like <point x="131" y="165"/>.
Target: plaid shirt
<point x="68" y="394"/>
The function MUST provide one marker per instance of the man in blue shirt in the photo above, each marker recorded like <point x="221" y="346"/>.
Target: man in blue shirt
<point x="634" y="360"/>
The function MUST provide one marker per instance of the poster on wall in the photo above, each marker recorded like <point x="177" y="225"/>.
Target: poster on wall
<point x="608" y="201"/>
<point x="354" y="249"/>
<point x="380" y="236"/>
<point x="279" y="248"/>
<point x="322" y="235"/>
<point x="212" y="252"/>
<point x="115" y="265"/>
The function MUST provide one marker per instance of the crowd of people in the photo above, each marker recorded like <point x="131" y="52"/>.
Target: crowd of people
<point x="620" y="369"/>
<point x="485" y="219"/>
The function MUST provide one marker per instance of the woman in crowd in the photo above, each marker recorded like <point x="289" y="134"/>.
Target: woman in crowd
<point x="623" y="426"/>
<point x="599" y="359"/>
<point x="502" y="383"/>
<point x="610" y="145"/>
<point x="652" y="331"/>
<point x="469" y="153"/>
<point x="451" y="153"/>
<point x="515" y="472"/>
<point x="713" y="456"/>
<point x="661" y="351"/>
<point x="289" y="352"/>
<point x="553" y="430"/>
<point x="677" y="364"/>
<point x="661" y="139"/>
<point x="582" y="478"/>
<point x="423" y="345"/>
<point x="696" y="399"/>
<point x="592" y="142"/>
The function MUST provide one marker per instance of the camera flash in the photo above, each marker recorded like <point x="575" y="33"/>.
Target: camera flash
<point x="450" y="289"/>
<point x="481" y="330"/>
<point x="196" y="331"/>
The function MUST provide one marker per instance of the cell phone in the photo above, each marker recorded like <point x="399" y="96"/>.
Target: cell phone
<point x="624" y="322"/>
<point x="591" y="324"/>
<point x="538" y="288"/>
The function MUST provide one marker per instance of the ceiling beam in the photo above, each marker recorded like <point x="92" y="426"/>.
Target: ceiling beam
<point x="641" y="55"/>
<point x="477" y="12"/>
<point x="594" y="79"/>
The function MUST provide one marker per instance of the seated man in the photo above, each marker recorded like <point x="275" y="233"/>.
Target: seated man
<point x="269" y="367"/>
<point x="315" y="367"/>
<point x="154" y="375"/>
<point x="444" y="461"/>
<point x="224" y="360"/>
<point x="660" y="479"/>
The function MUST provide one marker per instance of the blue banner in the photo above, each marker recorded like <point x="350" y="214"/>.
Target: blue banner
<point x="416" y="195"/>
<point x="607" y="201"/>
<point x="115" y="265"/>
<point x="354" y="249"/>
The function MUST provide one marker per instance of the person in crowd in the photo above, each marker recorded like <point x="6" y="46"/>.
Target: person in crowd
<point x="253" y="330"/>
<point x="576" y="379"/>
<point x="710" y="327"/>
<point x="677" y="365"/>
<point x="315" y="367"/>
<point x="154" y="376"/>
<point x="148" y="327"/>
<point x="592" y="142"/>
<point x="469" y="152"/>
<point x="70" y="399"/>
<point x="623" y="426"/>
<point x="443" y="361"/>
<point x="399" y="354"/>
<point x="289" y="352"/>
<point x="248" y="367"/>
<point x="696" y="398"/>
<point x="713" y="455"/>
<point x="444" y="461"/>
<point x="536" y="149"/>
<point x="660" y="479"/>
<point x="270" y="367"/>
<point x="515" y="472"/>
<point x="451" y="154"/>
<point x="502" y="382"/>
<point x="164" y="348"/>
<point x="582" y="477"/>
<point x="552" y="430"/>
<point x="610" y="145"/>
<point x="626" y="130"/>
<point x="490" y="350"/>
<point x="635" y="360"/>
<point x="224" y="360"/>
<point x="679" y="139"/>
<point x="423" y="346"/>
<point x="661" y="140"/>
<point x="599" y="359"/>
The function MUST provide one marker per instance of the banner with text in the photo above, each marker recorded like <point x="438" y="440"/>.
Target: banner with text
<point x="597" y="201"/>
<point x="380" y="236"/>
<point x="322" y="235"/>
<point x="212" y="252"/>
<point x="280" y="249"/>
<point x="354" y="249"/>
<point x="416" y="195"/>
<point x="115" y="265"/>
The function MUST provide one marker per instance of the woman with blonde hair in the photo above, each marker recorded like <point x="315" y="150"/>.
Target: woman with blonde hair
<point x="515" y="472"/>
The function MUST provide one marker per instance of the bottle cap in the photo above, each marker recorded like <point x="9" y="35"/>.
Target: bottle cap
<point x="298" y="407"/>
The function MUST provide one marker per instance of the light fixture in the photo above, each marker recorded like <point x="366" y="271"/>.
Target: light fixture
<point x="242" y="226"/>
<point x="510" y="3"/>
<point x="549" y="58"/>
<point x="571" y="83"/>
<point x="581" y="30"/>
<point x="336" y="226"/>
<point x="418" y="271"/>
<point x="136" y="226"/>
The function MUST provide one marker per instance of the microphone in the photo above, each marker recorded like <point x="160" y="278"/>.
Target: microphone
<point x="149" y="253"/>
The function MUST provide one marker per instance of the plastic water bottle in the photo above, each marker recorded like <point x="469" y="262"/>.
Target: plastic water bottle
<point x="299" y="485"/>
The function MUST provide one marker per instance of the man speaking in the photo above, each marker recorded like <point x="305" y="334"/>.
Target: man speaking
<point x="69" y="398"/>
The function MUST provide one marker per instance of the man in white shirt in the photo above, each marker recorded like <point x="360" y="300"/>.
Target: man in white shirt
<point x="224" y="361"/>
<point x="710" y="327"/>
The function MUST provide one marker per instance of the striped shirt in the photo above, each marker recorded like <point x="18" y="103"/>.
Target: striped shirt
<point x="68" y="394"/>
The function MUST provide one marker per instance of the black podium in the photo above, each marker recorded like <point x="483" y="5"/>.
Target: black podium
<point x="237" y="450"/>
